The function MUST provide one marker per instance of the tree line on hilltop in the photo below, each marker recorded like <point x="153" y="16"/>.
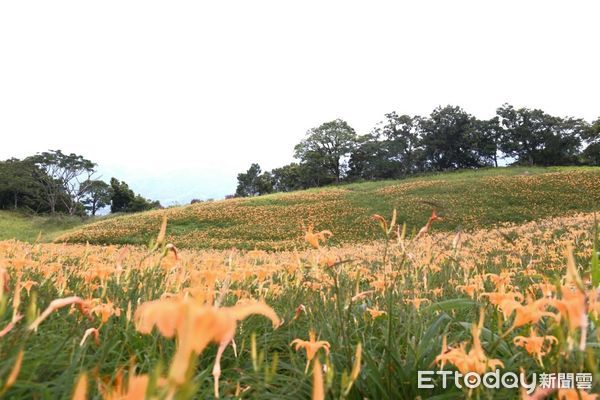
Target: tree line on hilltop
<point x="448" y="139"/>
<point x="54" y="182"/>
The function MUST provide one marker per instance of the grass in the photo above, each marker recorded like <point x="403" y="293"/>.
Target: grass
<point x="466" y="200"/>
<point x="30" y="228"/>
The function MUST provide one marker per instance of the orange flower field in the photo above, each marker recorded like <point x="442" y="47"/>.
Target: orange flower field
<point x="357" y="321"/>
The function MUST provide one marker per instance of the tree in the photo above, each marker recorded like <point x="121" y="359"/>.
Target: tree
<point x="17" y="182"/>
<point x="402" y="135"/>
<point x="120" y="196"/>
<point x="295" y="176"/>
<point x="247" y="181"/>
<point x="123" y="199"/>
<point x="287" y="178"/>
<point x="327" y="146"/>
<point x="591" y="154"/>
<point x="264" y="183"/>
<point x="98" y="196"/>
<point x="140" y="203"/>
<point x="487" y="135"/>
<point x="563" y="145"/>
<point x="448" y="139"/>
<point x="370" y="159"/>
<point x="60" y="174"/>
<point x="254" y="183"/>
<point x="534" y="137"/>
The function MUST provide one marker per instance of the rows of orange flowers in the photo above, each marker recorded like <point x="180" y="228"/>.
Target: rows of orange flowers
<point x="273" y="222"/>
<point x="542" y="287"/>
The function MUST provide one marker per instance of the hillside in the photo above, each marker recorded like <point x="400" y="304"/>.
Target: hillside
<point x="29" y="228"/>
<point x="467" y="199"/>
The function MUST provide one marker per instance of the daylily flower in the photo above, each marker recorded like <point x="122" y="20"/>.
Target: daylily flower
<point x="14" y="372"/>
<point x="318" y="389"/>
<point x="10" y="325"/>
<point x="81" y="388"/>
<point x="60" y="303"/>
<point x="134" y="388"/>
<point x="535" y="345"/>
<point x="313" y="238"/>
<point x="27" y="285"/>
<point x="88" y="332"/>
<point x="425" y="229"/>
<point x="416" y="302"/>
<point x="529" y="313"/>
<point x="573" y="304"/>
<point x="196" y="324"/>
<point x="105" y="311"/>
<point x="500" y="297"/>
<point x="375" y="313"/>
<point x="299" y="310"/>
<point x="474" y="360"/>
<point x="574" y="394"/>
<point x="312" y="346"/>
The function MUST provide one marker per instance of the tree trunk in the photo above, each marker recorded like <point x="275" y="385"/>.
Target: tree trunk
<point x="16" y="199"/>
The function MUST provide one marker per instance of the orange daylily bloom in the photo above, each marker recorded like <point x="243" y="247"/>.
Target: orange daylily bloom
<point x="14" y="373"/>
<point x="416" y="302"/>
<point x="299" y="310"/>
<point x="312" y="346"/>
<point x="318" y="389"/>
<point x="134" y="388"/>
<point x="383" y="223"/>
<point x="375" y="313"/>
<point x="469" y="290"/>
<point x="425" y="229"/>
<point x="81" y="388"/>
<point x="529" y="313"/>
<point x="196" y="324"/>
<point x="574" y="394"/>
<point x="501" y="280"/>
<point x="313" y="238"/>
<point x="535" y="345"/>
<point x="498" y="298"/>
<point x="10" y="325"/>
<point x="474" y="360"/>
<point x="105" y="311"/>
<point x="27" y="285"/>
<point x="60" y="303"/>
<point x="572" y="305"/>
<point x="361" y="295"/>
<point x="88" y="332"/>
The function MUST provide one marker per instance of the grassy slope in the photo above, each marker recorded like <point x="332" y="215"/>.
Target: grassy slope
<point x="27" y="228"/>
<point x="466" y="199"/>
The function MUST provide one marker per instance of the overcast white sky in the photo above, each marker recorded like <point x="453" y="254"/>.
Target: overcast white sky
<point x="178" y="97"/>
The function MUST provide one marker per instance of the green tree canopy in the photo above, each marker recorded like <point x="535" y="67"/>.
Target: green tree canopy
<point x="327" y="146"/>
<point x="448" y="139"/>
<point x="123" y="199"/>
<point x="402" y="134"/>
<point x="18" y="184"/>
<point x="253" y="182"/>
<point x="63" y="178"/>
<point x="533" y="137"/>
<point x="97" y="196"/>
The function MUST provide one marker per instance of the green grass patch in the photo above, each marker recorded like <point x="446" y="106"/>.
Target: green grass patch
<point x="27" y="228"/>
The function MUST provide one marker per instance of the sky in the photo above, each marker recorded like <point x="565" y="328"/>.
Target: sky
<point x="176" y="98"/>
